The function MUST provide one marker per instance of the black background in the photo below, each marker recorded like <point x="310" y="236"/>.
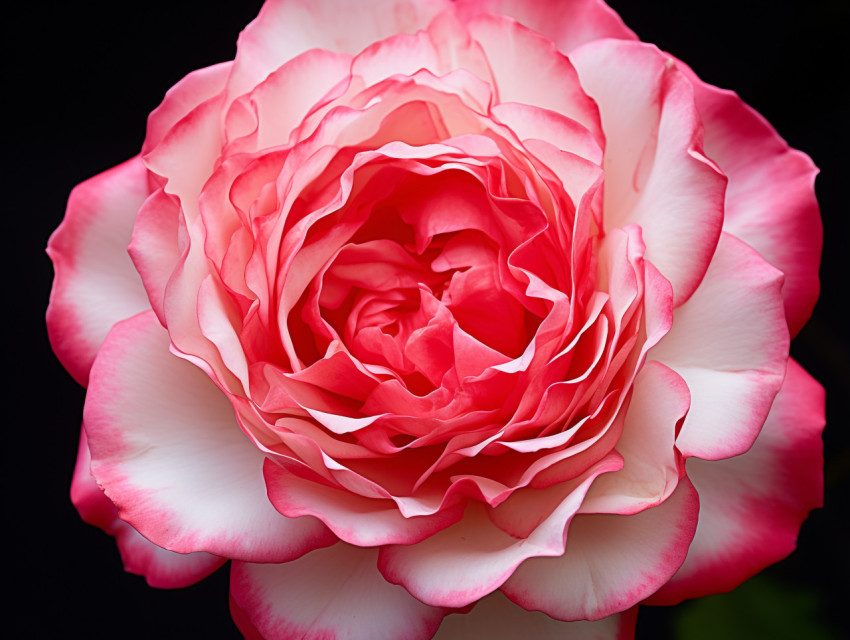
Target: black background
<point x="81" y="78"/>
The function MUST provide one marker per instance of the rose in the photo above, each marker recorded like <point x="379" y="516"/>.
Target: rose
<point x="288" y="223"/>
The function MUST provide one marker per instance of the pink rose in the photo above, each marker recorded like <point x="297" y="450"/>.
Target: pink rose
<point x="433" y="316"/>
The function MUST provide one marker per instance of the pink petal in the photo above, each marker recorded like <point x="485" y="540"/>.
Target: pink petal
<point x="95" y="284"/>
<point x="154" y="248"/>
<point x="752" y="506"/>
<point x="197" y="87"/>
<point x="655" y="173"/>
<point x="361" y="521"/>
<point x="169" y="453"/>
<point x="567" y="24"/>
<point x="285" y="29"/>
<point x="497" y="618"/>
<point x="335" y="592"/>
<point x="528" y="69"/>
<point x="651" y="463"/>
<point x="612" y="562"/>
<point x="161" y="568"/>
<point x="770" y="200"/>
<point x="730" y="344"/>
<point x="474" y="557"/>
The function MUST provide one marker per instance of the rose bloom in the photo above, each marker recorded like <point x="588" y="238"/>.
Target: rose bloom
<point x="445" y="319"/>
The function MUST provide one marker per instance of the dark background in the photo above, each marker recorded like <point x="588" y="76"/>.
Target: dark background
<point x="82" y="77"/>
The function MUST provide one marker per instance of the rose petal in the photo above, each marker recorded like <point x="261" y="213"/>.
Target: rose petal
<point x="752" y="505"/>
<point x="611" y="562"/>
<point x="567" y="24"/>
<point x="651" y="464"/>
<point x="169" y="453"/>
<point x="770" y="200"/>
<point x="95" y="284"/>
<point x="161" y="568"/>
<point x="730" y="344"/>
<point x="655" y="173"/>
<point x="351" y="601"/>
<point x="474" y="557"/>
<point x="285" y="29"/>
<point x="497" y="618"/>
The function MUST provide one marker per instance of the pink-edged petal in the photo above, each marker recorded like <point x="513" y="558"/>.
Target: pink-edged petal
<point x="752" y="506"/>
<point x="475" y="556"/>
<point x="656" y="175"/>
<point x="195" y="88"/>
<point x="567" y="24"/>
<point x="497" y="618"/>
<point x="95" y="284"/>
<point x="356" y="519"/>
<point x="770" y="199"/>
<point x="167" y="450"/>
<point x="651" y="462"/>
<point x="154" y="247"/>
<point x="528" y="69"/>
<point x="336" y="593"/>
<point x="730" y="344"/>
<point x="243" y="621"/>
<point x="285" y="29"/>
<point x="161" y="568"/>
<point x="612" y="562"/>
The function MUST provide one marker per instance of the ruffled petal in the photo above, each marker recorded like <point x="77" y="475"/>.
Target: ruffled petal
<point x="612" y="562"/>
<point x="329" y="593"/>
<point x="161" y="568"/>
<point x="730" y="344"/>
<point x="770" y="200"/>
<point x="169" y="453"/>
<point x="656" y="175"/>
<point x="95" y="284"/>
<point x="752" y="505"/>
<point x="497" y="618"/>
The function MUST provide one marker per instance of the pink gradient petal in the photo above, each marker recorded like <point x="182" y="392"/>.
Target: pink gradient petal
<point x="167" y="450"/>
<point x="651" y="463"/>
<point x="731" y="353"/>
<point x="95" y="284"/>
<point x="611" y="563"/>
<point x="336" y="593"/>
<point x="472" y="558"/>
<point x="567" y="24"/>
<point x="494" y="617"/>
<point x="155" y="248"/>
<point x="161" y="568"/>
<point x="752" y="505"/>
<point x="285" y="29"/>
<point x="361" y="521"/>
<point x="770" y="200"/>
<point x="197" y="87"/>
<point x="528" y="69"/>
<point x="656" y="175"/>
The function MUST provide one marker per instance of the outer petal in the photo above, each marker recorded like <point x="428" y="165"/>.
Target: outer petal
<point x="612" y="562"/>
<point x="195" y="88"/>
<point x="770" y="200"/>
<point x="567" y="24"/>
<point x="161" y="568"/>
<point x="330" y="593"/>
<point x="730" y="344"/>
<point x="651" y="463"/>
<point x="752" y="506"/>
<point x="655" y="173"/>
<point x="95" y="284"/>
<point x="285" y="29"/>
<point x="474" y="557"/>
<point x="169" y="453"/>
<point x="497" y="618"/>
